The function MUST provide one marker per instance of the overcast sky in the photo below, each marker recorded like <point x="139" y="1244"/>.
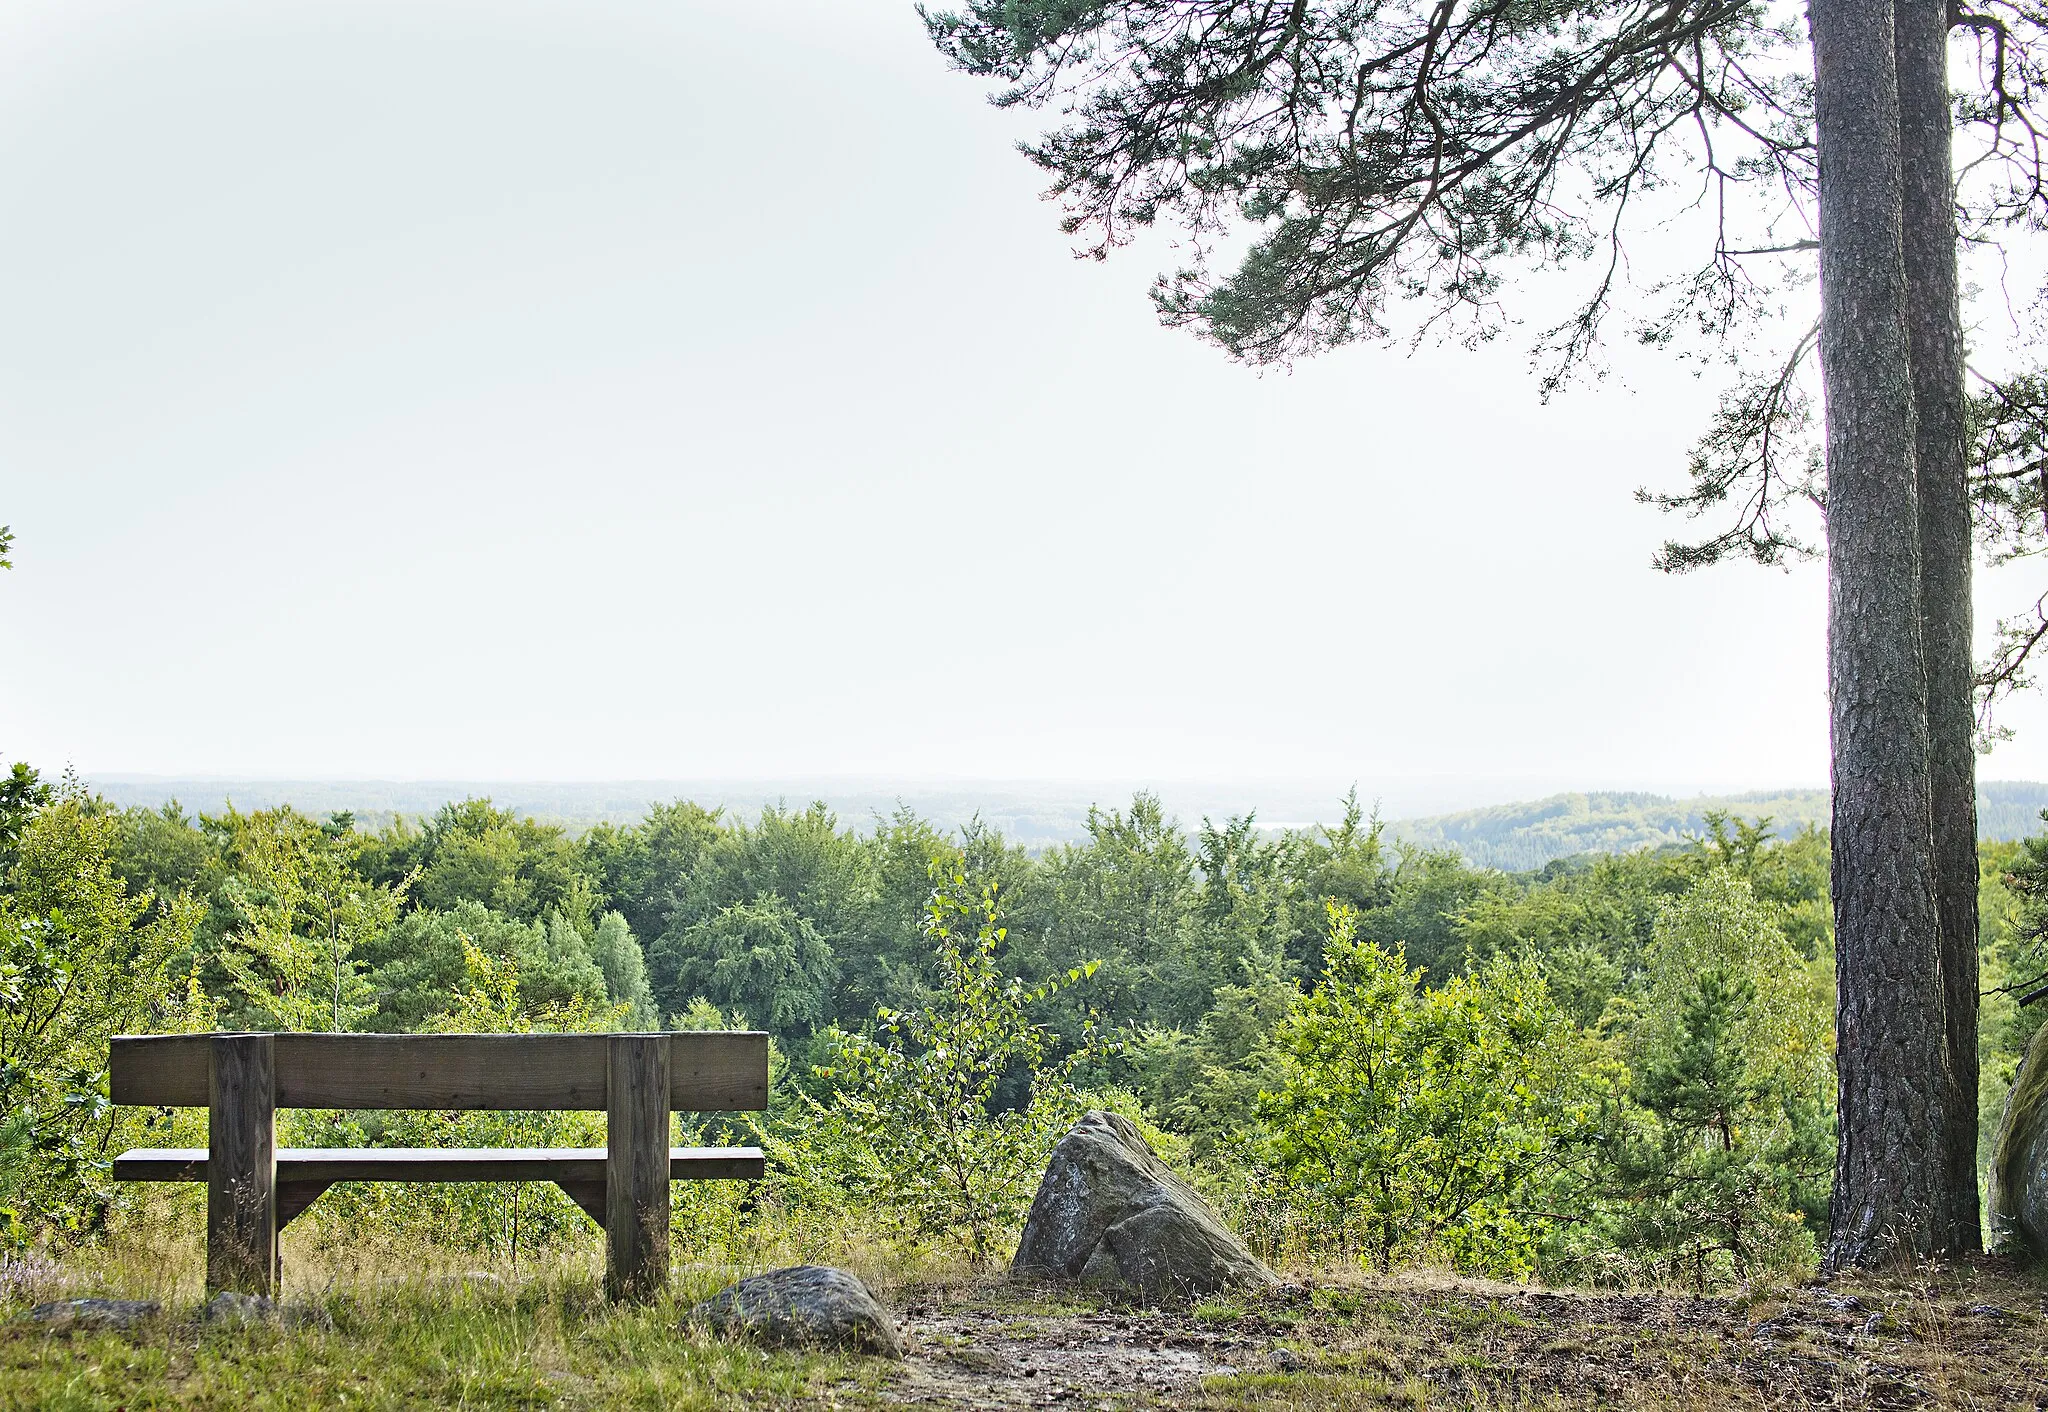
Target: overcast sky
<point x="646" y="388"/>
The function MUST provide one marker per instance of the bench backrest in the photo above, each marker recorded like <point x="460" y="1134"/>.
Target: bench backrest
<point x="709" y="1071"/>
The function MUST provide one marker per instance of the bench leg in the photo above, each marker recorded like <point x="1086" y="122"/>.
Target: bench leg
<point x="636" y="1167"/>
<point x="241" y="1167"/>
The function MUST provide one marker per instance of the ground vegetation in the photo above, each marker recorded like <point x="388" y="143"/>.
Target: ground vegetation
<point x="1613" y="1070"/>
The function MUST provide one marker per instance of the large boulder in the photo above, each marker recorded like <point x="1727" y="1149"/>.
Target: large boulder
<point x="805" y="1306"/>
<point x="2018" y="1185"/>
<point x="1110" y="1212"/>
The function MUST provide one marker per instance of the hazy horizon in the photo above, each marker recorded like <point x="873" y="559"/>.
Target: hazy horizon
<point x="1407" y="795"/>
<point x="1503" y="828"/>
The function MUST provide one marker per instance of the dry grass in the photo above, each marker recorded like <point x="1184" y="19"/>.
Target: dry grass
<point x="371" y="1323"/>
<point x="1970" y="1337"/>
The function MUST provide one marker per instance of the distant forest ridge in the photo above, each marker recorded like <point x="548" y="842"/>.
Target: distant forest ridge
<point x="1520" y="837"/>
<point x="1515" y="837"/>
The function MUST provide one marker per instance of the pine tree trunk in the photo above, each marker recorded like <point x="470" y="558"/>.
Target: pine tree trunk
<point x="1891" y="1037"/>
<point x="1935" y="340"/>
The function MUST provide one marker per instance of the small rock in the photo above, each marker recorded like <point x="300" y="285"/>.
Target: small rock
<point x="94" y="1313"/>
<point x="1288" y="1360"/>
<point x="807" y="1306"/>
<point x="1992" y="1311"/>
<point x="1881" y="1324"/>
<point x="1842" y="1303"/>
<point x="236" y="1310"/>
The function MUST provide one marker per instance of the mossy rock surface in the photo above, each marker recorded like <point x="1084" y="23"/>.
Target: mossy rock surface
<point x="805" y="1306"/>
<point x="2018" y="1185"/>
<point x="1111" y="1213"/>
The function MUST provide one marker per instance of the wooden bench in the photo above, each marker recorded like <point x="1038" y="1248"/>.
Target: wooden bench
<point x="254" y="1189"/>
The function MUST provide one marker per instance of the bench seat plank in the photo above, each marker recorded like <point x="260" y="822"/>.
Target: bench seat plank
<point x="438" y="1164"/>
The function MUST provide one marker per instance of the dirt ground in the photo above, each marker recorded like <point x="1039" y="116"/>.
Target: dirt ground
<point x="1973" y="1337"/>
<point x="1968" y="1338"/>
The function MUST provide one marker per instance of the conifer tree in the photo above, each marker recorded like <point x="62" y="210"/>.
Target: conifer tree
<point x="1419" y="155"/>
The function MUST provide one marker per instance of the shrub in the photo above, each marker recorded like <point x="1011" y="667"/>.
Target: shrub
<point x="80" y="961"/>
<point x="916" y="1126"/>
<point x="1412" y="1121"/>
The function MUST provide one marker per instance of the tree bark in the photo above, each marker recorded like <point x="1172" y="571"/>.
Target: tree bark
<point x="1890" y="1032"/>
<point x="1935" y="343"/>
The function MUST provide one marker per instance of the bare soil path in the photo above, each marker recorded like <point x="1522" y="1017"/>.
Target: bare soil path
<point x="1975" y="1338"/>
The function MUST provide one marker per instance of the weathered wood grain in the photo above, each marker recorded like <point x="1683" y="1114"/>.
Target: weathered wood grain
<point x="636" y="1196"/>
<point x="588" y="1195"/>
<point x="712" y="1071"/>
<point x="253" y="1191"/>
<point x="241" y="1175"/>
<point x="294" y="1197"/>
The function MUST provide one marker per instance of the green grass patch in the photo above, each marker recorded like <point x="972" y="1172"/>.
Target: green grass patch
<point x="538" y="1347"/>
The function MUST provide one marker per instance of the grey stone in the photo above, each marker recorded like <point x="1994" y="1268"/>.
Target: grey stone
<point x="1110" y="1212"/>
<point x="236" y="1310"/>
<point x="2017" y="1185"/>
<point x="1784" y="1326"/>
<point x="94" y="1313"/>
<point x="806" y="1306"/>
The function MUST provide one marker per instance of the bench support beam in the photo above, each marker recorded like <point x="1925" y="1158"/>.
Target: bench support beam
<point x="588" y="1195"/>
<point x="241" y="1169"/>
<point x="636" y="1167"/>
<point x="294" y="1197"/>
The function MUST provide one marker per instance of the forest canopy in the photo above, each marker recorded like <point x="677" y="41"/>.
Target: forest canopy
<point x="1611" y="1068"/>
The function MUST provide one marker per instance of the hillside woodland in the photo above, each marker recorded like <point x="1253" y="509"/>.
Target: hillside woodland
<point x="1613" y="1070"/>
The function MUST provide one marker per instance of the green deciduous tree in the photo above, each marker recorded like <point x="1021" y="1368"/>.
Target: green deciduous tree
<point x="1205" y="1083"/>
<point x="916" y="1121"/>
<point x="22" y="792"/>
<point x="760" y="958"/>
<point x="1720" y="925"/>
<point x="1127" y="899"/>
<point x="648" y="871"/>
<point x="418" y="966"/>
<point x="165" y="851"/>
<point x="476" y="852"/>
<point x="297" y="916"/>
<point x="81" y="960"/>
<point x="617" y="953"/>
<point x="1416" y="1120"/>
